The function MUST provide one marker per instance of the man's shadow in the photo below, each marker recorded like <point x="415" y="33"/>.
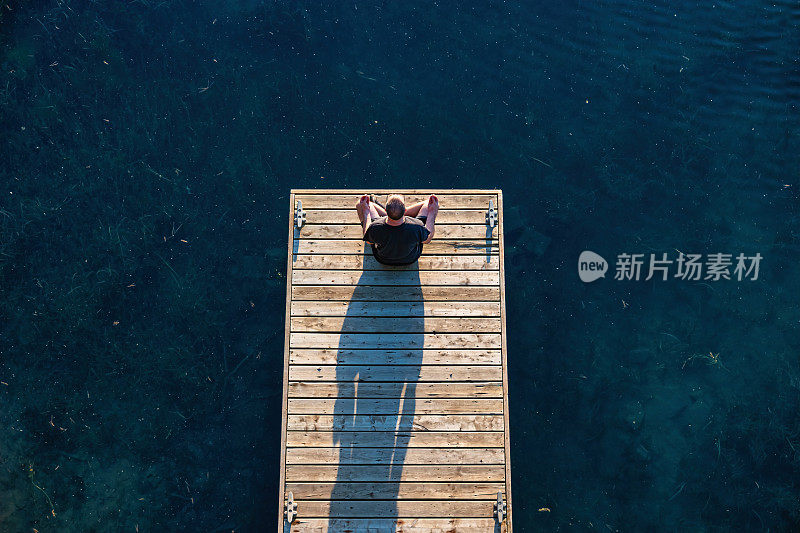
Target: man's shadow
<point x="378" y="366"/>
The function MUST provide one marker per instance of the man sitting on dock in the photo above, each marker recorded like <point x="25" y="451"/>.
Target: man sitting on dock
<point x="397" y="232"/>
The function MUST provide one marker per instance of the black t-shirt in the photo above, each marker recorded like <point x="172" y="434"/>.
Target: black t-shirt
<point x="397" y="245"/>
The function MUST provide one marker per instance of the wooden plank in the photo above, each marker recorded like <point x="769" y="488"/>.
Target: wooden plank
<point x="305" y="356"/>
<point x="349" y="389"/>
<point x="368" y="262"/>
<point x="377" y="473"/>
<point x="395" y="422"/>
<point x="391" y="278"/>
<point x="421" y="406"/>
<point x="389" y="455"/>
<point x="348" y="200"/>
<point x="399" y="491"/>
<point x="360" y="324"/>
<point x="399" y="525"/>
<point x="354" y="230"/>
<point x="435" y="247"/>
<point x="394" y="294"/>
<point x="445" y="216"/>
<point x="408" y="439"/>
<point x="384" y="192"/>
<point x="507" y="436"/>
<point x="396" y="340"/>
<point x="396" y="309"/>
<point x="396" y="373"/>
<point x="286" y="346"/>
<point x="398" y="509"/>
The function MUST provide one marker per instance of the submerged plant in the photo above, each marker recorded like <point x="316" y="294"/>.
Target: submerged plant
<point x="33" y="482"/>
<point x="710" y="359"/>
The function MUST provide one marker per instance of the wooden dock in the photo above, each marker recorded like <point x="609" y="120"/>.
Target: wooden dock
<point x="395" y="396"/>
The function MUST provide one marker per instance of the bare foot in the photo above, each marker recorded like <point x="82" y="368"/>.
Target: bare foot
<point x="433" y="205"/>
<point x="363" y="206"/>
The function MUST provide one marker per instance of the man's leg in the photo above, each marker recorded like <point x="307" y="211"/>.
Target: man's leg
<point x="414" y="210"/>
<point x="367" y="212"/>
<point x="362" y="208"/>
<point x="364" y="213"/>
<point x="376" y="211"/>
<point x="424" y="206"/>
<point x="379" y="207"/>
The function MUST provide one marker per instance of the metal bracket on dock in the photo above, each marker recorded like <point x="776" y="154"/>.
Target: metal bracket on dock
<point x="491" y="215"/>
<point x="299" y="215"/>
<point x="500" y="511"/>
<point x="290" y="510"/>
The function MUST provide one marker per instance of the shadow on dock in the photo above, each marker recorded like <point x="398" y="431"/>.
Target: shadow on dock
<point x="373" y="423"/>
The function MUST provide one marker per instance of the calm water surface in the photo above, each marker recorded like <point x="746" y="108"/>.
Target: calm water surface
<point x="147" y="153"/>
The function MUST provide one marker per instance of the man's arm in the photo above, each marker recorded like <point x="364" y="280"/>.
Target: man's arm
<point x="365" y="222"/>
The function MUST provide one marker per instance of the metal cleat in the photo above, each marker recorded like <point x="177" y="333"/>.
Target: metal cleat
<point x="491" y="215"/>
<point x="299" y="215"/>
<point x="290" y="512"/>
<point x="500" y="511"/>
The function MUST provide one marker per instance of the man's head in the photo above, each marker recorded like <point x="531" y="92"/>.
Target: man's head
<point x="395" y="207"/>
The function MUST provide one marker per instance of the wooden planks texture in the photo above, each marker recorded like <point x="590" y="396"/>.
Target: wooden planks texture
<point x="395" y="405"/>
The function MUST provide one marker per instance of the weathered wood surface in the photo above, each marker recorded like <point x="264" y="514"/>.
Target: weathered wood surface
<point x="395" y="340"/>
<point x="348" y="200"/>
<point x="417" y="422"/>
<point x="445" y="217"/>
<point x="395" y="294"/>
<point x="389" y="372"/>
<point x="354" y="231"/>
<point x="409" y="439"/>
<point x="399" y="525"/>
<point x="368" y="262"/>
<point x="406" y="491"/>
<point x="367" y="390"/>
<point x="435" y="247"/>
<point x="397" y="309"/>
<point x="371" y="324"/>
<point x="329" y="356"/>
<point x="382" y="456"/>
<point x="395" y="404"/>
<point x="400" y="508"/>
<point x="379" y="473"/>
<point x="426" y="406"/>
<point x="393" y="278"/>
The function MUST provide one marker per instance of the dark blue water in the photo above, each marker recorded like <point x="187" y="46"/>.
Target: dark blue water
<point x="147" y="153"/>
